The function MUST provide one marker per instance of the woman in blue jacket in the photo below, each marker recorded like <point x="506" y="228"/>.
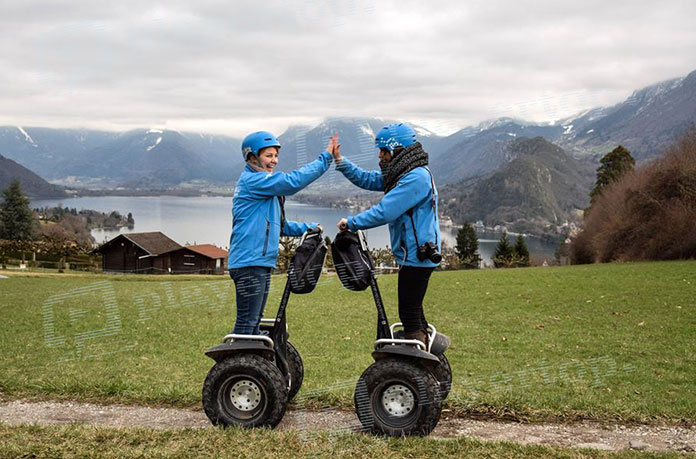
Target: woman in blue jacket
<point x="409" y="206"/>
<point x="258" y="220"/>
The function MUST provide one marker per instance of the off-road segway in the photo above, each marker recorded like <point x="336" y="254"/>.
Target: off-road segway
<point x="402" y="392"/>
<point x="255" y="376"/>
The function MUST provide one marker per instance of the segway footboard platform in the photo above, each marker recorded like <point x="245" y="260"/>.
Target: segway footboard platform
<point x="235" y="344"/>
<point x="401" y="348"/>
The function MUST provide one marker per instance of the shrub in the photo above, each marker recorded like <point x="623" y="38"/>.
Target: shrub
<point x="648" y="214"/>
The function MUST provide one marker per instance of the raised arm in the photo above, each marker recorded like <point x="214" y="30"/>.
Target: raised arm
<point x="407" y="193"/>
<point x="286" y="184"/>
<point x="367" y="180"/>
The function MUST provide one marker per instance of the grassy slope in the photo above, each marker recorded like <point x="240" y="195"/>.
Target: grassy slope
<point x="607" y="342"/>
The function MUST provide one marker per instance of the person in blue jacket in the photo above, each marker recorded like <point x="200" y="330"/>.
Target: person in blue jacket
<point x="258" y="220"/>
<point x="409" y="207"/>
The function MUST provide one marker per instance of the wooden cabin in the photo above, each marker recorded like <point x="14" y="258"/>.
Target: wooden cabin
<point x="137" y="253"/>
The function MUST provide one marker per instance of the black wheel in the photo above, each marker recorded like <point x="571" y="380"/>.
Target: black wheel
<point x="443" y="373"/>
<point x="245" y="390"/>
<point x="296" y="368"/>
<point x="396" y="398"/>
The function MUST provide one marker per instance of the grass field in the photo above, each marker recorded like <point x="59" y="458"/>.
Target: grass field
<point x="608" y="342"/>
<point x="82" y="441"/>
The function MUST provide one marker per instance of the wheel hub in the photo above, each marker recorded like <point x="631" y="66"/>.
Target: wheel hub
<point x="398" y="400"/>
<point x="245" y="395"/>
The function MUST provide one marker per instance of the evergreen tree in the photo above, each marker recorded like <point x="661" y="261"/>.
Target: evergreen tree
<point x="16" y="216"/>
<point x="613" y="165"/>
<point x="520" y="252"/>
<point x="467" y="247"/>
<point x="502" y="257"/>
<point x="131" y="220"/>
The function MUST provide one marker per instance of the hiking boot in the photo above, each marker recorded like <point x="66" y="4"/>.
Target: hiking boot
<point x="420" y="335"/>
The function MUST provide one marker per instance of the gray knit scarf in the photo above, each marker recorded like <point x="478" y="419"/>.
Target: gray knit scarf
<point x="404" y="162"/>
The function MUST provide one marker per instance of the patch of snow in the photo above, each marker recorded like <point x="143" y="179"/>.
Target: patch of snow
<point x="26" y="136"/>
<point x="154" y="131"/>
<point x="422" y="131"/>
<point x="567" y="129"/>
<point x="159" y="139"/>
<point x="590" y="131"/>
<point x="367" y="130"/>
<point x="512" y="134"/>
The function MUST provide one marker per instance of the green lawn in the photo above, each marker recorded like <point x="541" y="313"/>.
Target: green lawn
<point x="610" y="342"/>
<point x="84" y="441"/>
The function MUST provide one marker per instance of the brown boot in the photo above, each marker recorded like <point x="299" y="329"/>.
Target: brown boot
<point x="420" y="335"/>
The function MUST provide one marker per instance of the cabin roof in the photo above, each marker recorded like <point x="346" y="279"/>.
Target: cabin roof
<point x="208" y="250"/>
<point x="154" y="243"/>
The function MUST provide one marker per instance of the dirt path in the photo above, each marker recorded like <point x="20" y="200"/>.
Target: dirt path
<point x="577" y="435"/>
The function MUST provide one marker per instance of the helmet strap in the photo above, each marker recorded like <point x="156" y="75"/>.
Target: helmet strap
<point x="254" y="163"/>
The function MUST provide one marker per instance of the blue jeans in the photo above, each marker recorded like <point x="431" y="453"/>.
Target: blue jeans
<point x="252" y="284"/>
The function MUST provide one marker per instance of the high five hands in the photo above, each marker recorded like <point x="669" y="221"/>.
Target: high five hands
<point x="335" y="148"/>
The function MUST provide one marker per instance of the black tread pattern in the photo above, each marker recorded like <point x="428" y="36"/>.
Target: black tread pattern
<point x="260" y="368"/>
<point x="443" y="373"/>
<point x="296" y="368"/>
<point x="427" y="411"/>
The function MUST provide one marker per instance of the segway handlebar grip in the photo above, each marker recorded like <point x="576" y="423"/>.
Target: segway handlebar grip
<point x="315" y="230"/>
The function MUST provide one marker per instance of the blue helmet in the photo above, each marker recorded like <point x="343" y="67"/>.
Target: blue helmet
<point x="395" y="135"/>
<point x="257" y="141"/>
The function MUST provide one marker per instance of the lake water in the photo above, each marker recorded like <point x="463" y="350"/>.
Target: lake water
<point x="208" y="220"/>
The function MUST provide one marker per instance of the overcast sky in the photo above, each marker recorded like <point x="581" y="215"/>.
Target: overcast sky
<point x="232" y="67"/>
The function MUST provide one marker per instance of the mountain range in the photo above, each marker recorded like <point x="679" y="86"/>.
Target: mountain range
<point x="645" y="122"/>
<point x="477" y="162"/>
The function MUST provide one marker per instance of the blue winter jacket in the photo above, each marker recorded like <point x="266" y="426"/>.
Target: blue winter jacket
<point x="415" y="190"/>
<point x="256" y="212"/>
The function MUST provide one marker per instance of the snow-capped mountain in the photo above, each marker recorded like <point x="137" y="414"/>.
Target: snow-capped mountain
<point x="157" y="158"/>
<point x="151" y="157"/>
<point x="646" y="122"/>
<point x="47" y="151"/>
<point x="480" y="151"/>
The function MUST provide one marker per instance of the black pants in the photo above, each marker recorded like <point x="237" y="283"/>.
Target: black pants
<point x="413" y="283"/>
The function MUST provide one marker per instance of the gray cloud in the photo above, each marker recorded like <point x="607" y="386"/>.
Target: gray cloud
<point x="230" y="67"/>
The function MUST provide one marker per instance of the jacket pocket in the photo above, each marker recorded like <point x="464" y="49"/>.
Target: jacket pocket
<point x="265" y="243"/>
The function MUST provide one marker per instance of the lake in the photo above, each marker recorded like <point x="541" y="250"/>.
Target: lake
<point x="208" y="220"/>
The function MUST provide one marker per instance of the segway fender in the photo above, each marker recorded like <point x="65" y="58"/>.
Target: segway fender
<point x="410" y="352"/>
<point x="440" y="344"/>
<point x="224" y="350"/>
